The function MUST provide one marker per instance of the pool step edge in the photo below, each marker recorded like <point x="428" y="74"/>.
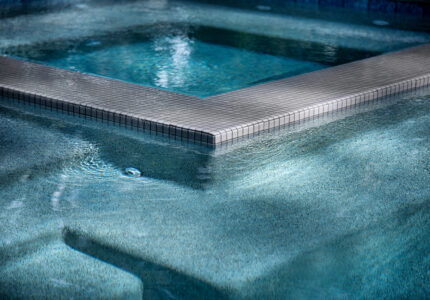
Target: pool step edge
<point x="289" y="118"/>
<point x="106" y="115"/>
<point x="221" y="118"/>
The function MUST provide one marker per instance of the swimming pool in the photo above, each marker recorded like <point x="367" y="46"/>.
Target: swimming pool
<point x="337" y="209"/>
<point x="333" y="207"/>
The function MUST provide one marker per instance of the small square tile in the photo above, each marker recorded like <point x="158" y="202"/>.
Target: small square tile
<point x="407" y="8"/>
<point x="116" y="118"/>
<point x="356" y="4"/>
<point x="190" y="134"/>
<point x="178" y="132"/>
<point x="234" y="133"/>
<point x="99" y="114"/>
<point x="216" y="139"/>
<point x="110" y="117"/>
<point x="205" y="137"/>
<point x="385" y="6"/>
<point x="164" y="128"/>
<point x="396" y="89"/>
<point x="229" y="134"/>
<point x="134" y="122"/>
<point x="158" y="127"/>
<point x="171" y="130"/>
<point x="153" y="126"/>
<point x="332" y="3"/>
<point x="239" y="131"/>
<point x="140" y="124"/>
<point x="251" y="129"/>
<point x="147" y="125"/>
<point x="260" y="126"/>
<point x="67" y="107"/>
<point x="223" y="135"/>
<point x="308" y="2"/>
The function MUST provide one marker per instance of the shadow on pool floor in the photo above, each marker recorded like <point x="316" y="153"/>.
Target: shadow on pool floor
<point x="159" y="282"/>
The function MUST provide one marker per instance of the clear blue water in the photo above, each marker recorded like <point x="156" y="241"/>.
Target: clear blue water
<point x="184" y="65"/>
<point x="193" y="48"/>
<point x="338" y="210"/>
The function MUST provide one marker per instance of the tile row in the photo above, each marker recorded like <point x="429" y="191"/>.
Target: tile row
<point x="222" y="136"/>
<point x="248" y="130"/>
<point x="103" y="115"/>
<point x="404" y="7"/>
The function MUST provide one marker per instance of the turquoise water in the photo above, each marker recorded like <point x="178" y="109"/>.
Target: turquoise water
<point x="184" y="65"/>
<point x="197" y="49"/>
<point x="336" y="210"/>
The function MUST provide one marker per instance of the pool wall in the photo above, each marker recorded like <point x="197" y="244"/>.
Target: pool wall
<point x="413" y="8"/>
<point x="224" y="117"/>
<point x="418" y="8"/>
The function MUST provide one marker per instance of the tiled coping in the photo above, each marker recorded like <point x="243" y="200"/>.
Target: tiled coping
<point x="221" y="118"/>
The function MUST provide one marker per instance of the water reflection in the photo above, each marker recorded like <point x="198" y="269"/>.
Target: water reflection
<point x="174" y="70"/>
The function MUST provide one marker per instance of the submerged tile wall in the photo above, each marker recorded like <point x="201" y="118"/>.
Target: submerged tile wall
<point x="419" y="8"/>
<point x="416" y="8"/>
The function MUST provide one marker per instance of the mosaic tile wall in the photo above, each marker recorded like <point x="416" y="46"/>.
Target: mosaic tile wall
<point x="420" y="8"/>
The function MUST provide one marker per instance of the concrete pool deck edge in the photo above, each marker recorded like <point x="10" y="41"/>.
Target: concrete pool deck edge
<point x="220" y="118"/>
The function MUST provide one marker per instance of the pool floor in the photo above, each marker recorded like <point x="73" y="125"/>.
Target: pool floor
<point x="340" y="210"/>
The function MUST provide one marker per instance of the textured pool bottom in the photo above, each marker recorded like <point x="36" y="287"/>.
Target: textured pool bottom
<point x="340" y="210"/>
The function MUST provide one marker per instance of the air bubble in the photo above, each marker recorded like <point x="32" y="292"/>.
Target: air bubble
<point x="93" y="43"/>
<point x="380" y="23"/>
<point x="132" y="172"/>
<point x="264" y="7"/>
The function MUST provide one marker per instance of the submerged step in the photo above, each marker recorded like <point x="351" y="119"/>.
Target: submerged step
<point x="56" y="271"/>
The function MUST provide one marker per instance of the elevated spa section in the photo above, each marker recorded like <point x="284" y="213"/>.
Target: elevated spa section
<point x="221" y="118"/>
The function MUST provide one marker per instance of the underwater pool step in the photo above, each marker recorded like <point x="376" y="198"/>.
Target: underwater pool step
<point x="220" y="118"/>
